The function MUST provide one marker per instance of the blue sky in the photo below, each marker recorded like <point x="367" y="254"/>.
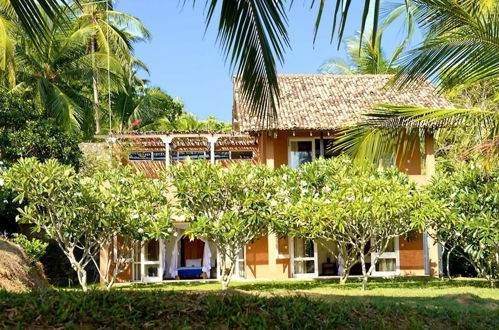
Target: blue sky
<point x="187" y="63"/>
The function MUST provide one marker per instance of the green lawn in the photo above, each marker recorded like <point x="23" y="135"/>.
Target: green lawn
<point x="406" y="303"/>
<point x="396" y="287"/>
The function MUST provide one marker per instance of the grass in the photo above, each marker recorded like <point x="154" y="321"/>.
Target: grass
<point x="397" y="303"/>
<point x="395" y="287"/>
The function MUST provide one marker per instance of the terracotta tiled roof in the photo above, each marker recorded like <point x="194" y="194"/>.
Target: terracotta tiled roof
<point x="327" y="102"/>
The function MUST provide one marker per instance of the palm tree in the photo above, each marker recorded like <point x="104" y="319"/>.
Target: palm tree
<point x="112" y="34"/>
<point x="363" y="58"/>
<point x="188" y="122"/>
<point x="138" y="107"/>
<point x="8" y="31"/>
<point x="462" y="39"/>
<point x="252" y="34"/>
<point x="462" y="49"/>
<point x="366" y="56"/>
<point x="36" y="16"/>
<point x="58" y="73"/>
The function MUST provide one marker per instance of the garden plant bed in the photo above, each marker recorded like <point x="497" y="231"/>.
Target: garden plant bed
<point x="292" y="304"/>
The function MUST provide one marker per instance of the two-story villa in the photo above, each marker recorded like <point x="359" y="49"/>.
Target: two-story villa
<point x="311" y="110"/>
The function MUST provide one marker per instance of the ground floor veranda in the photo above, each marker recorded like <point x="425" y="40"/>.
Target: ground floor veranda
<point x="271" y="258"/>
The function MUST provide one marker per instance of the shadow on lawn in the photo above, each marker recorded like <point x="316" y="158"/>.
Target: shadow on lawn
<point x="352" y="284"/>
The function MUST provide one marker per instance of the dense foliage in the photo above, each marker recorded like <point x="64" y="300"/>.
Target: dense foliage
<point x="71" y="72"/>
<point x="34" y="247"/>
<point x="26" y="132"/>
<point x="230" y="207"/>
<point x="188" y="122"/>
<point x="361" y="211"/>
<point x="58" y="203"/>
<point x="472" y="226"/>
<point x="358" y="210"/>
<point x="83" y="214"/>
<point x="133" y="208"/>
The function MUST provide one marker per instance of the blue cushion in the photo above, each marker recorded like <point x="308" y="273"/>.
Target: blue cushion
<point x="189" y="271"/>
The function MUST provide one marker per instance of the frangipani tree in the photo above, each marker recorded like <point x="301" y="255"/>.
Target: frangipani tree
<point x="59" y="203"/>
<point x="362" y="211"/>
<point x="85" y="215"/>
<point x="230" y="207"/>
<point x="133" y="209"/>
<point x="471" y="229"/>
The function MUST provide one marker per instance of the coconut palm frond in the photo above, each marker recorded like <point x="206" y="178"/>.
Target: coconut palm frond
<point x="129" y="23"/>
<point x="340" y="16"/>
<point x="62" y="106"/>
<point x="407" y="11"/>
<point x="7" y="47"/>
<point x="253" y="36"/>
<point x="489" y="148"/>
<point x="336" y="66"/>
<point x="37" y="16"/>
<point x="388" y="128"/>
<point x="461" y="47"/>
<point x="364" y="52"/>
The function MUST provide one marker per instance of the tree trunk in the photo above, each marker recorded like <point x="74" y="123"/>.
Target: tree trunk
<point x="95" y="87"/>
<point x="96" y="102"/>
<point x="344" y="277"/>
<point x="447" y="266"/>
<point x="226" y="277"/>
<point x="80" y="270"/>
<point x="345" y="262"/>
<point x="441" y="274"/>
<point x="364" y="272"/>
<point x="109" y="285"/>
<point x="82" y="277"/>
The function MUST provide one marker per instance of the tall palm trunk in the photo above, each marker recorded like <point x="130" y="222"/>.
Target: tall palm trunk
<point x="95" y="87"/>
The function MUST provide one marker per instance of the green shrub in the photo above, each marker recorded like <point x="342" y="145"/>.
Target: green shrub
<point x="34" y="248"/>
<point x="471" y="228"/>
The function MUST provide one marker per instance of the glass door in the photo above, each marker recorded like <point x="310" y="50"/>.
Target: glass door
<point x="304" y="258"/>
<point x="389" y="261"/>
<point x="240" y="266"/>
<point x="147" y="262"/>
<point x="301" y="151"/>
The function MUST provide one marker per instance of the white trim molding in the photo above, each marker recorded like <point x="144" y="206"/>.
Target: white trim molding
<point x="297" y="139"/>
<point x="389" y="255"/>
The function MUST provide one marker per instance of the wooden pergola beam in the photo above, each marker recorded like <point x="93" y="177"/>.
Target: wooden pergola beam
<point x="173" y="135"/>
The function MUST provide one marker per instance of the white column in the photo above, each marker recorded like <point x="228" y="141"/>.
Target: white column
<point x="142" y="259"/>
<point x="111" y="140"/>
<point x="212" y="140"/>
<point x="167" y="140"/>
